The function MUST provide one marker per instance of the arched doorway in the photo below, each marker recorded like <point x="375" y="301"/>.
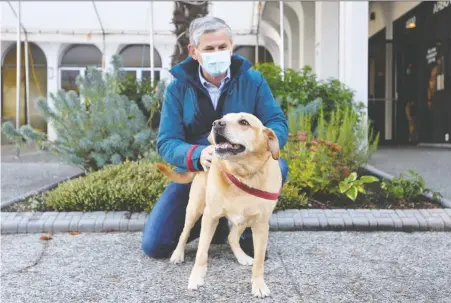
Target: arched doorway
<point x="37" y="86"/>
<point x="248" y="52"/>
<point x="136" y="61"/>
<point x="75" y="61"/>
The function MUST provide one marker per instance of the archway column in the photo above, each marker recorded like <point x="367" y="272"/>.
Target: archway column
<point x="110" y="50"/>
<point x="353" y="67"/>
<point x="327" y="39"/>
<point x="51" y="51"/>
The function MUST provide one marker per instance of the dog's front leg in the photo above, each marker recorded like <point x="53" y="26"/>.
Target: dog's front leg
<point x="260" y="233"/>
<point x="208" y="228"/>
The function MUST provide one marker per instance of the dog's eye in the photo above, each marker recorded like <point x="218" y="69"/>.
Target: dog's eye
<point x="244" y="122"/>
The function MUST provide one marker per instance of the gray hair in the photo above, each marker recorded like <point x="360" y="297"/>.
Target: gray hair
<point x="206" y="24"/>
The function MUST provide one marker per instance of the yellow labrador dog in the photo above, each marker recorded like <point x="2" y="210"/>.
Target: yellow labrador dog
<point x="242" y="184"/>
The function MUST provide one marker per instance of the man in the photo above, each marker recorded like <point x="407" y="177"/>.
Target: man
<point x="209" y="84"/>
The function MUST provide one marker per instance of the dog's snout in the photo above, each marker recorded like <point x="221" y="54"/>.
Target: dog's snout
<point x="219" y="123"/>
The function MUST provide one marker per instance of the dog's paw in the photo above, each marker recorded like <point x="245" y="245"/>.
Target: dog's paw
<point x="178" y="256"/>
<point x="244" y="259"/>
<point x="259" y="288"/>
<point x="195" y="282"/>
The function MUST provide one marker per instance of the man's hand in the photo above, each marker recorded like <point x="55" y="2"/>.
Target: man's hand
<point x="206" y="156"/>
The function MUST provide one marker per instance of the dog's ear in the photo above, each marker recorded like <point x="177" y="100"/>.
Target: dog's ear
<point x="210" y="139"/>
<point x="273" y="143"/>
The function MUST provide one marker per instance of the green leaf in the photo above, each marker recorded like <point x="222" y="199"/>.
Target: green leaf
<point x="352" y="193"/>
<point x="368" y="179"/>
<point x="352" y="177"/>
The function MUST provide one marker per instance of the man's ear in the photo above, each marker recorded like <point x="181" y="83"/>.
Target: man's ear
<point x="191" y="50"/>
<point x="273" y="143"/>
<point x="210" y="139"/>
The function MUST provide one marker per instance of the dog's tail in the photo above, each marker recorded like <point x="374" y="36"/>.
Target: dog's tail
<point x="178" y="177"/>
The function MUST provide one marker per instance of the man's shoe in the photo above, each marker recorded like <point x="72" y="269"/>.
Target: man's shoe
<point x="247" y="246"/>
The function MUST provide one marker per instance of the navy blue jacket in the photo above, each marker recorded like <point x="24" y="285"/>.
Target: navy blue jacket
<point x="187" y="113"/>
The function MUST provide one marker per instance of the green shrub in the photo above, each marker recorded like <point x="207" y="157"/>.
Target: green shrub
<point x="324" y="159"/>
<point x="345" y="127"/>
<point x="129" y="186"/>
<point x="302" y="87"/>
<point x="138" y="90"/>
<point x="409" y="186"/>
<point x="107" y="128"/>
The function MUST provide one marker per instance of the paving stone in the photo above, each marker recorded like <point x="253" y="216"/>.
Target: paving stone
<point x="410" y="224"/>
<point x="61" y="225"/>
<point x="362" y="211"/>
<point x="74" y="223"/>
<point x="322" y="221"/>
<point x="61" y="215"/>
<point x="347" y="221"/>
<point x="340" y="211"/>
<point x="99" y="223"/>
<point x="135" y="216"/>
<point x="122" y="214"/>
<point x="22" y="228"/>
<point x="25" y="214"/>
<point x="286" y="224"/>
<point x="397" y="222"/>
<point x="86" y="225"/>
<point x="10" y="226"/>
<point x="48" y="225"/>
<point x="273" y="223"/>
<point x="136" y="224"/>
<point x="423" y="225"/>
<point x="298" y="221"/>
<point x="75" y="214"/>
<point x="360" y="222"/>
<point x="435" y="224"/>
<point x="110" y="225"/>
<point x="311" y="223"/>
<point x="446" y="221"/>
<point x="448" y="211"/>
<point x="400" y="213"/>
<point x="143" y="214"/>
<point x="292" y="211"/>
<point x="336" y="223"/>
<point x="110" y="214"/>
<point x="385" y="223"/>
<point x="35" y="226"/>
<point x="435" y="210"/>
<point x="123" y="224"/>
<point x="371" y="220"/>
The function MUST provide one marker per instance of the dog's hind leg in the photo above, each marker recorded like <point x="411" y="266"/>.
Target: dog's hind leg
<point x="234" y="241"/>
<point x="194" y="210"/>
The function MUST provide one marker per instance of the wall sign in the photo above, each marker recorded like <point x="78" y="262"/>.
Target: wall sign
<point x="440" y="5"/>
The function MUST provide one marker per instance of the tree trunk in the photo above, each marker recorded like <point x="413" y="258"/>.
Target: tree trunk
<point x="183" y="14"/>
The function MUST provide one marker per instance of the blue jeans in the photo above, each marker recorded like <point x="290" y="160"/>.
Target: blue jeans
<point x="167" y="218"/>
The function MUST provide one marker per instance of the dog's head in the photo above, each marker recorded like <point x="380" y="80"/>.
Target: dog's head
<point x="242" y="134"/>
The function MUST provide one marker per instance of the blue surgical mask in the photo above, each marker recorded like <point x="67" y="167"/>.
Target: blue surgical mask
<point x="216" y="63"/>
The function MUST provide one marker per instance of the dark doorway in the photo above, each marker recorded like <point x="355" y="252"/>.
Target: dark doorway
<point x="376" y="83"/>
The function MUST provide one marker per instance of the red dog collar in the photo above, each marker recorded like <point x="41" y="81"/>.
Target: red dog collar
<point x="253" y="191"/>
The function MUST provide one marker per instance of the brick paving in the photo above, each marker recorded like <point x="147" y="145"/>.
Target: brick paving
<point x="287" y="220"/>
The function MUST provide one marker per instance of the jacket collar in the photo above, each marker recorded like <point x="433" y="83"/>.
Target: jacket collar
<point x="187" y="70"/>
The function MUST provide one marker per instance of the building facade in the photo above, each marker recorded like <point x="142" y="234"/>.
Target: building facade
<point x="409" y="71"/>
<point x="66" y="37"/>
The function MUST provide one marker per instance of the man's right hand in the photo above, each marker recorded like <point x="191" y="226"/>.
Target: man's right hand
<point x="206" y="156"/>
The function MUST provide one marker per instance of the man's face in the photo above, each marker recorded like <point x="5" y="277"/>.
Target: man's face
<point x="209" y="43"/>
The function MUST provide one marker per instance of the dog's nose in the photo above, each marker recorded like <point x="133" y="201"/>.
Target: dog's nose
<point x="219" y="123"/>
